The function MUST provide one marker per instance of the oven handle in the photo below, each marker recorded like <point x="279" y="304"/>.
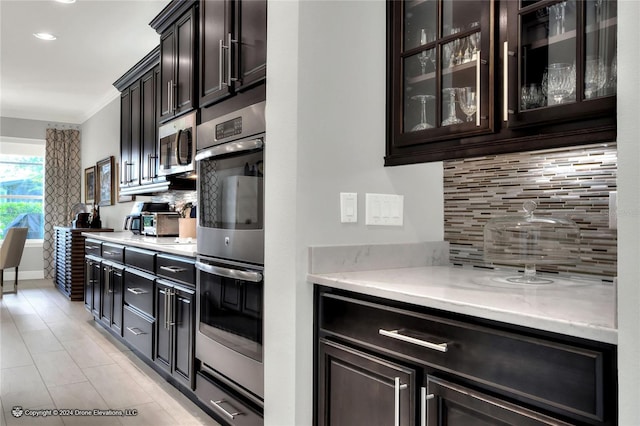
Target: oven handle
<point x="254" y="277"/>
<point x="230" y="148"/>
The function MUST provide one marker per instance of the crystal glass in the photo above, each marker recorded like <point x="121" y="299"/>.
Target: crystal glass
<point x="557" y="17"/>
<point x="560" y="81"/>
<point x="467" y="101"/>
<point x="423" y="112"/>
<point x="595" y="76"/>
<point x="452" y="119"/>
<point x="531" y="97"/>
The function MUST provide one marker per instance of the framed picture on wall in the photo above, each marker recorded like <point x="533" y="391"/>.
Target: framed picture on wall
<point x="104" y="182"/>
<point x="90" y="185"/>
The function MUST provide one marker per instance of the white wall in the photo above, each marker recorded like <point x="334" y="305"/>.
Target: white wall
<point x="628" y="213"/>
<point x="101" y="139"/>
<point x="325" y="134"/>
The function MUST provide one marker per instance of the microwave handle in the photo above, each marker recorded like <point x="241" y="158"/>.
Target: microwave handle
<point x="230" y="148"/>
<point x="254" y="277"/>
<point x="178" y="145"/>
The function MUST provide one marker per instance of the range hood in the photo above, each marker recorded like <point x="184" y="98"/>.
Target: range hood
<point x="183" y="182"/>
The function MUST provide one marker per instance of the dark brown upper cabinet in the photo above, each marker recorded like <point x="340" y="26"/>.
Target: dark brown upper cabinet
<point x="177" y="25"/>
<point x="138" y="125"/>
<point x="470" y="78"/>
<point x="233" y="48"/>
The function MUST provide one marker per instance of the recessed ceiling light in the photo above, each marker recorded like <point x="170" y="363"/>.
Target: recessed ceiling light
<point x="44" y="36"/>
<point x="66" y="1"/>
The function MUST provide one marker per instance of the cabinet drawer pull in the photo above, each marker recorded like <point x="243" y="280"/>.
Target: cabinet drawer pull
<point x="136" y="291"/>
<point x="231" y="415"/>
<point x="136" y="331"/>
<point x="110" y="253"/>
<point x="395" y="334"/>
<point x="92" y="247"/>
<point x="173" y="269"/>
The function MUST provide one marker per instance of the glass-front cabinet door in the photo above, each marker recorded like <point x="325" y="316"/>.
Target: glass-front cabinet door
<point x="562" y="56"/>
<point x="440" y="70"/>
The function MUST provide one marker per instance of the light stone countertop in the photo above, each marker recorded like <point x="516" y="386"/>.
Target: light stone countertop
<point x="576" y="307"/>
<point x="170" y="245"/>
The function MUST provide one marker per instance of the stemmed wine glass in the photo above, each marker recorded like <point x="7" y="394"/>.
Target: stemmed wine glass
<point x="595" y="76"/>
<point x="423" y="112"/>
<point x="452" y="119"/>
<point x="467" y="100"/>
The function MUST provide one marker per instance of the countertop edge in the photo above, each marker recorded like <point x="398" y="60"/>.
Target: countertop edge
<point x="559" y="326"/>
<point x="187" y="250"/>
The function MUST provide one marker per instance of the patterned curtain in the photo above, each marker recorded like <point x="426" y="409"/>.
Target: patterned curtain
<point x="62" y="177"/>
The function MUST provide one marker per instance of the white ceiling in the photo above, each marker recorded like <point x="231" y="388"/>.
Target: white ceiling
<point x="69" y="79"/>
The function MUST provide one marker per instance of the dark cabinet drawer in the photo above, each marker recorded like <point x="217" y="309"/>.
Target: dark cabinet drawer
<point x="176" y="268"/>
<point x="93" y="247"/>
<point x="224" y="404"/>
<point x="138" y="290"/>
<point x="140" y="258"/>
<point x="138" y="331"/>
<point x="113" y="252"/>
<point x="561" y="376"/>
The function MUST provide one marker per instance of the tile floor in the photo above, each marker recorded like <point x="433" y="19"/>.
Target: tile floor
<point x="54" y="355"/>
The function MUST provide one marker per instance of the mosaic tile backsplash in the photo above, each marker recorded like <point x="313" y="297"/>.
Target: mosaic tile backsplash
<point x="572" y="183"/>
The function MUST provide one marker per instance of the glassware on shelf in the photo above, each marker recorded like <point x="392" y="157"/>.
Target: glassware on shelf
<point x="531" y="97"/>
<point x="474" y="41"/>
<point x="452" y="119"/>
<point x="595" y="76"/>
<point x="557" y="12"/>
<point x="612" y="81"/>
<point x="448" y="58"/>
<point x="423" y="112"/>
<point x="467" y="101"/>
<point x="560" y="81"/>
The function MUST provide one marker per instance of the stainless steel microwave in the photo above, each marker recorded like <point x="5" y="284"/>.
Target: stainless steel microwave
<point x="177" y="145"/>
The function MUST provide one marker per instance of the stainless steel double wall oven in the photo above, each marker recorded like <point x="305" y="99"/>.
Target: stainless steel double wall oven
<point x="230" y="243"/>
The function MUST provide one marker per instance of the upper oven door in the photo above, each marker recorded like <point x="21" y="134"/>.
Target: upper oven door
<point x="231" y="201"/>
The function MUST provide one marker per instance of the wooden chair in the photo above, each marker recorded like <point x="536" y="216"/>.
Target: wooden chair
<point x="11" y="254"/>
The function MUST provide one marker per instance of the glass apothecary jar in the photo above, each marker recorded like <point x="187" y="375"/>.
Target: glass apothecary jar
<point x="526" y="240"/>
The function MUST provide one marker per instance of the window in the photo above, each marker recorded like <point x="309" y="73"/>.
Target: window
<point x="22" y="187"/>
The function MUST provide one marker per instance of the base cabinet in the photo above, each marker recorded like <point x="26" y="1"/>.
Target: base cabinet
<point x="111" y="299"/>
<point x="383" y="362"/>
<point x="360" y="389"/>
<point x="175" y="307"/>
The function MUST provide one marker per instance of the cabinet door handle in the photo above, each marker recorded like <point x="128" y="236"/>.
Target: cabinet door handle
<point x="166" y="308"/>
<point x="505" y="82"/>
<point x="229" y="61"/>
<point x="424" y="401"/>
<point x="397" y="387"/>
<point x="232" y="415"/>
<point x="136" y="291"/>
<point x="478" y="103"/>
<point x="136" y="331"/>
<point x="172" y="269"/>
<point x="395" y="334"/>
<point x="169" y="96"/>
<point x="220" y="63"/>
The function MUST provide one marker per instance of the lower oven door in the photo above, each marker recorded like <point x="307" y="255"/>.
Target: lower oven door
<point x="229" y="312"/>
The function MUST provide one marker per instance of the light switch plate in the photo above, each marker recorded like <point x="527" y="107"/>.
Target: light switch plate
<point x="348" y="207"/>
<point x="384" y="209"/>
